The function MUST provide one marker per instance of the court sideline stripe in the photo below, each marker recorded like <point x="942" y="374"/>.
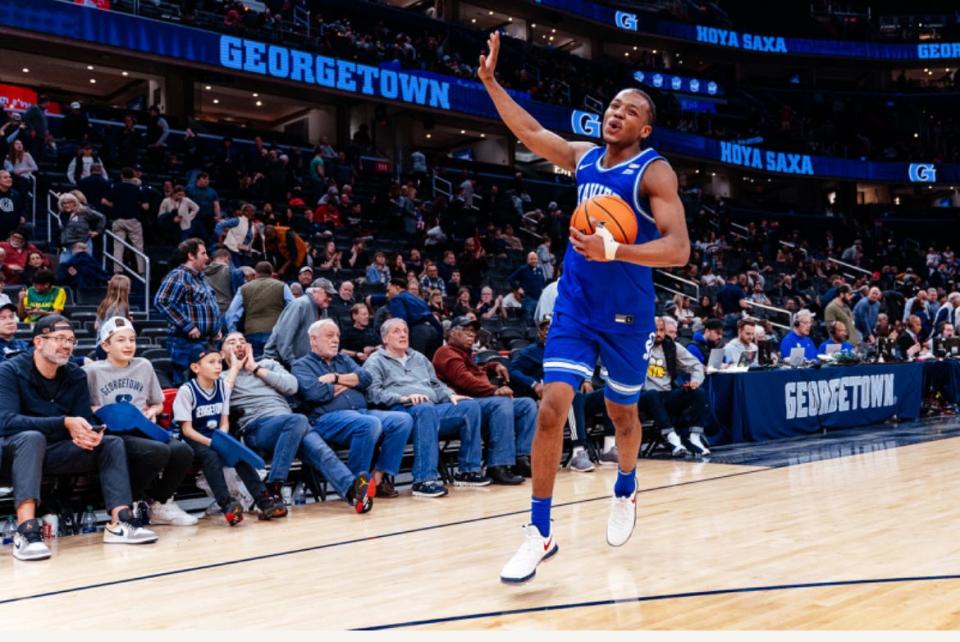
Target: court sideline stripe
<point x="307" y="549"/>
<point x="656" y="598"/>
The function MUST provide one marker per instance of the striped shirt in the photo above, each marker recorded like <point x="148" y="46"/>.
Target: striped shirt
<point x="188" y="302"/>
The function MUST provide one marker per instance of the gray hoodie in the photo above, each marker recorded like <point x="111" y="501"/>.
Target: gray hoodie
<point x="658" y="377"/>
<point x="393" y="378"/>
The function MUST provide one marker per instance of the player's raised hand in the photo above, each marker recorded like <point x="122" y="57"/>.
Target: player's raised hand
<point x="488" y="62"/>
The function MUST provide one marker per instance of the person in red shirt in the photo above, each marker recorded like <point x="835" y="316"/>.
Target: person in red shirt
<point x="16" y="252"/>
<point x="509" y="422"/>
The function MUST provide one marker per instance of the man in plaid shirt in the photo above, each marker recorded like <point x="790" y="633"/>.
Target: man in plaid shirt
<point x="190" y="305"/>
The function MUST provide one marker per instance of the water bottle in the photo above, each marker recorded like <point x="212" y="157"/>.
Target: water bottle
<point x="9" y="528"/>
<point x="299" y="495"/>
<point x="88" y="523"/>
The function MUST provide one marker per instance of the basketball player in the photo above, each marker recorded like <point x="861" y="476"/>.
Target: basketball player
<point x="605" y="303"/>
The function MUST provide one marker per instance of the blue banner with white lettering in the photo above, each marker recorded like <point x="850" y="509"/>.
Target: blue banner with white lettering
<point x="639" y="22"/>
<point x="387" y="81"/>
<point x="758" y="406"/>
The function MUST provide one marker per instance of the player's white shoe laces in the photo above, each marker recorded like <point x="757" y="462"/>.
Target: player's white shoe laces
<point x="535" y="548"/>
<point x="623" y="517"/>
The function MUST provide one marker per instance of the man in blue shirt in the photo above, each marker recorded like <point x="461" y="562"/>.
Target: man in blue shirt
<point x="865" y="313"/>
<point x="733" y="300"/>
<point x="208" y="200"/>
<point x="838" y="336"/>
<point x="799" y="337"/>
<point x="530" y="278"/>
<point x="333" y="387"/>
<point x="127" y="203"/>
<point x="703" y="342"/>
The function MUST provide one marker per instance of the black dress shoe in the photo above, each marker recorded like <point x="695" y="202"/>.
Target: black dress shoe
<point x="522" y="466"/>
<point x="503" y="475"/>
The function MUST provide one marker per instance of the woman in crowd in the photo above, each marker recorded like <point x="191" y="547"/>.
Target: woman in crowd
<point x="438" y="306"/>
<point x="116" y="303"/>
<point x="463" y="304"/>
<point x="328" y="258"/>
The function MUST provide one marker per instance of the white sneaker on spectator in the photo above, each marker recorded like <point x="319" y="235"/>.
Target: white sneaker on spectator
<point x="535" y="548"/>
<point x="580" y="461"/>
<point x="696" y="442"/>
<point x="171" y="514"/>
<point x="623" y="517"/>
<point x="610" y="458"/>
<point x="127" y="531"/>
<point x="679" y="450"/>
<point x="28" y="543"/>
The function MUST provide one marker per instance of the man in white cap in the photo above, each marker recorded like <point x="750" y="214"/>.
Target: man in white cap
<point x="156" y="468"/>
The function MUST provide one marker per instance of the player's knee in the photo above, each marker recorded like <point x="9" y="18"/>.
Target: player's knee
<point x="624" y="415"/>
<point x="551" y="417"/>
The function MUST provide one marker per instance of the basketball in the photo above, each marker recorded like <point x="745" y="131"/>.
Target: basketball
<point x="609" y="209"/>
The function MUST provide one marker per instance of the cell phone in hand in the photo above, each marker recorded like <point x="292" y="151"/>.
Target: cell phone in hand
<point x="99" y="428"/>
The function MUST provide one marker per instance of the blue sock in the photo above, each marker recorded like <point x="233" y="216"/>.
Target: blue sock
<point x="540" y="514"/>
<point x="626" y="483"/>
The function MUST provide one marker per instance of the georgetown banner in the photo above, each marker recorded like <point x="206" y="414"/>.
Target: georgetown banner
<point x="758" y="406"/>
<point x="387" y="81"/>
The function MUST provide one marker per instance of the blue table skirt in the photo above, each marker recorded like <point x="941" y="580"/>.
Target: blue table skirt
<point x="774" y="404"/>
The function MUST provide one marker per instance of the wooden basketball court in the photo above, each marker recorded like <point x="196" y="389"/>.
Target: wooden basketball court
<point x="859" y="542"/>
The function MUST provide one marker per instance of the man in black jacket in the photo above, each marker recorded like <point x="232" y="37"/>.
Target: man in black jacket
<point x="46" y="425"/>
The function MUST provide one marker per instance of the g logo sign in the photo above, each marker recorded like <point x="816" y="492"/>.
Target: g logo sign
<point x="626" y="20"/>
<point x="923" y="173"/>
<point x="585" y="123"/>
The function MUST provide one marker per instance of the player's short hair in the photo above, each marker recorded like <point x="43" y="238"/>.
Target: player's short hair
<point x="651" y="106"/>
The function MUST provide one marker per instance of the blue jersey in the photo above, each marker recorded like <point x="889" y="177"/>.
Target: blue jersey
<point x="208" y="407"/>
<point x="611" y="296"/>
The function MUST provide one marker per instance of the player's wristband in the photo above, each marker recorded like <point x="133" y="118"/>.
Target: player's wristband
<point x="609" y="245"/>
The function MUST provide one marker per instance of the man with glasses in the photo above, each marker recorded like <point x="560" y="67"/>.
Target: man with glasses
<point x="46" y="426"/>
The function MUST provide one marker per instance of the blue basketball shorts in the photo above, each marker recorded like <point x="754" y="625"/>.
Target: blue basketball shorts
<point x="571" y="352"/>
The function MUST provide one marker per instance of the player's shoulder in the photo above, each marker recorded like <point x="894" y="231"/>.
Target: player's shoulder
<point x="582" y="151"/>
<point x="659" y="176"/>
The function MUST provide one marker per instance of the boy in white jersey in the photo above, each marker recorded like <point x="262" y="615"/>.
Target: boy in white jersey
<point x="156" y="468"/>
<point x="605" y="300"/>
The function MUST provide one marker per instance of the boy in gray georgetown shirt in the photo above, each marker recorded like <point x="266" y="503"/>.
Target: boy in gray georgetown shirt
<point x="125" y="378"/>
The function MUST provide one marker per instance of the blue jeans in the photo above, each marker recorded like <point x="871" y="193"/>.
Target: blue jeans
<point x="279" y="435"/>
<point x="361" y="430"/>
<point x="433" y="421"/>
<point x="502" y="419"/>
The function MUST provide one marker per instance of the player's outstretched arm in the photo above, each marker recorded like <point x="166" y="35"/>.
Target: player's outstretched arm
<point x="672" y="249"/>
<point x="524" y="126"/>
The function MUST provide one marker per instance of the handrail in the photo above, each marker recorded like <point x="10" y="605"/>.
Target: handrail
<point x="693" y="284"/>
<point x="772" y="308"/>
<point x="678" y="292"/>
<point x="33" y="198"/>
<point x="449" y="186"/>
<point x="851" y="267"/>
<point x="52" y="212"/>
<point x="145" y="278"/>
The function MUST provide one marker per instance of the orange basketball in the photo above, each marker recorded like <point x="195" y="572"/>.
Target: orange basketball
<point x="612" y="211"/>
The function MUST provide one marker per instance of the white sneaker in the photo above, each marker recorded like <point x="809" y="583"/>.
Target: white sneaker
<point x="535" y="548"/>
<point x="623" y="517"/>
<point x="679" y="450"/>
<point x="580" y="462"/>
<point x="170" y="513"/>
<point x="699" y="448"/>
<point x="28" y="543"/>
<point x="127" y="532"/>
